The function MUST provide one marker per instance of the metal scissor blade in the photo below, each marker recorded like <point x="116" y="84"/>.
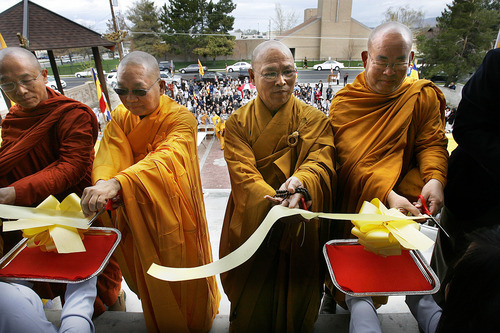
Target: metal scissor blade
<point x="439" y="225"/>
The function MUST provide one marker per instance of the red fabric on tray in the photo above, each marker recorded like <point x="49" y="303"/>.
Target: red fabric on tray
<point x="359" y="271"/>
<point x="33" y="263"/>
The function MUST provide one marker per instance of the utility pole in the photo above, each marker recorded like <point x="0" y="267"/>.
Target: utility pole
<point x="115" y="26"/>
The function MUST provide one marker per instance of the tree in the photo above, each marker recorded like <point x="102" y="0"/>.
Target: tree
<point x="145" y="27"/>
<point x="283" y="20"/>
<point x="191" y="24"/>
<point x="216" y="46"/>
<point x="120" y="22"/>
<point x="181" y="21"/>
<point x="466" y="30"/>
<point x="412" y="18"/>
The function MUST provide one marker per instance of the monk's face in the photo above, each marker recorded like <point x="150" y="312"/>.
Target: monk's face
<point x="136" y="77"/>
<point x="274" y="92"/>
<point x="386" y="62"/>
<point x="29" y="81"/>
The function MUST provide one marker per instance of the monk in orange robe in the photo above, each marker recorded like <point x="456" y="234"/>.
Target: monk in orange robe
<point x="148" y="155"/>
<point x="47" y="149"/>
<point x="276" y="142"/>
<point x="389" y="132"/>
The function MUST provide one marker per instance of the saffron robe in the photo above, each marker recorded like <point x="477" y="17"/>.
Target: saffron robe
<point x="163" y="218"/>
<point x="50" y="150"/>
<point x="387" y="142"/>
<point x="280" y="288"/>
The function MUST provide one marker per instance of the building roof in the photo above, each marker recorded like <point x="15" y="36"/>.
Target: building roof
<point x="46" y="29"/>
<point x="299" y="27"/>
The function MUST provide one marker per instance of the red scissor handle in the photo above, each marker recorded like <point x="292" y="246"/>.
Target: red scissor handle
<point x="424" y="205"/>
<point x="109" y="205"/>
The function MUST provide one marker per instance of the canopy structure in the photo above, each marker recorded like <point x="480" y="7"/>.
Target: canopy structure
<point x="36" y="28"/>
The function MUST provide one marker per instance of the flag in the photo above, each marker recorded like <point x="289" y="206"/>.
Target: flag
<point x="331" y="70"/>
<point x="103" y="104"/>
<point x="2" y="43"/>
<point x="200" y="68"/>
<point x="413" y="72"/>
<point x="497" y="44"/>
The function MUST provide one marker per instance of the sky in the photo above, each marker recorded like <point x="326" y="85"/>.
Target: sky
<point x="249" y="14"/>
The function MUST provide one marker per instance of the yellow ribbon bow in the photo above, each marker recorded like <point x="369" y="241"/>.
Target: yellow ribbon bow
<point x="51" y="234"/>
<point x="387" y="238"/>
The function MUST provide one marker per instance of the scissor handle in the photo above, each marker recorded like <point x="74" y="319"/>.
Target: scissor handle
<point x="424" y="205"/>
<point x="109" y="205"/>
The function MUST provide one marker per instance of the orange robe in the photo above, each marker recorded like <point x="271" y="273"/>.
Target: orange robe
<point x="163" y="218"/>
<point x="279" y="289"/>
<point x="49" y="151"/>
<point x="387" y="142"/>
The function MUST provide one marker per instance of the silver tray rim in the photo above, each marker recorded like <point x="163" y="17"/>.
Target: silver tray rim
<point x="7" y="258"/>
<point x="418" y="258"/>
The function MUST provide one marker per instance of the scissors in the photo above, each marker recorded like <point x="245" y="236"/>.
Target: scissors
<point x="427" y="212"/>
<point x="107" y="207"/>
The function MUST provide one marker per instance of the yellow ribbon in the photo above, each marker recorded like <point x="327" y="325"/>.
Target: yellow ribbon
<point x="54" y="234"/>
<point x="248" y="248"/>
<point x="387" y="238"/>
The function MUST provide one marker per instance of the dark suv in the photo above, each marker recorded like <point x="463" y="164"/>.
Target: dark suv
<point x="165" y="66"/>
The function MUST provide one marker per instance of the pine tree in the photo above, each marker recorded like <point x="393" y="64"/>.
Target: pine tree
<point x="465" y="31"/>
<point x="145" y="28"/>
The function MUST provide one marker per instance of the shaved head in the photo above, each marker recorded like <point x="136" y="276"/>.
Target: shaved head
<point x="139" y="58"/>
<point x="28" y="58"/>
<point x="392" y="28"/>
<point x="263" y="49"/>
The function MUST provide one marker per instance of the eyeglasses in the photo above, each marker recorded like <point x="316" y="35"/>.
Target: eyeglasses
<point x="397" y="66"/>
<point x="136" y="92"/>
<point x="11" y="86"/>
<point x="271" y="76"/>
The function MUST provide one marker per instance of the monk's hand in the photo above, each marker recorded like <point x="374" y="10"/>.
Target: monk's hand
<point x="293" y="201"/>
<point x="8" y="195"/>
<point x="399" y="202"/>
<point x="95" y="197"/>
<point x="433" y="193"/>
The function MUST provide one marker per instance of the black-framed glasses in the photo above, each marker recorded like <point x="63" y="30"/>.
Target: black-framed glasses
<point x="398" y="66"/>
<point x="271" y="76"/>
<point x="27" y="83"/>
<point x="136" y="92"/>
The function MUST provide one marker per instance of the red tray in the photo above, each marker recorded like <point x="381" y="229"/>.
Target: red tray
<point x="24" y="263"/>
<point x="357" y="272"/>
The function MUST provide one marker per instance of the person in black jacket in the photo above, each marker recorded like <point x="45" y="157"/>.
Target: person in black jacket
<point x="472" y="196"/>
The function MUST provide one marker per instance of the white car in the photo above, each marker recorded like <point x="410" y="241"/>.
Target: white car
<point x="51" y="83"/>
<point x="169" y="78"/>
<point x="238" y="66"/>
<point x="329" y="64"/>
<point x="87" y="72"/>
<point x="111" y="80"/>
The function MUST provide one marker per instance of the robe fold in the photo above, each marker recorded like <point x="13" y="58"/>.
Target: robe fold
<point x="279" y="289"/>
<point x="163" y="217"/>
<point x="49" y="151"/>
<point x="387" y="142"/>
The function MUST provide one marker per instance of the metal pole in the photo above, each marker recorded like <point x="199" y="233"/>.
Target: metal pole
<point x="115" y="26"/>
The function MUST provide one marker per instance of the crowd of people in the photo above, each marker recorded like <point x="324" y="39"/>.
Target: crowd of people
<point x="226" y="95"/>
<point x="298" y="146"/>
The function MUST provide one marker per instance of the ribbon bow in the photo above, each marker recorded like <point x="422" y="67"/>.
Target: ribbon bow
<point x="387" y="238"/>
<point x="52" y="226"/>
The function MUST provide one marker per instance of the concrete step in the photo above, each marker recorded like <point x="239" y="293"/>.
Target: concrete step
<point x="133" y="322"/>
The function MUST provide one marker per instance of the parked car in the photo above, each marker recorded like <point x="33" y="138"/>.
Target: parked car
<point x="329" y="64"/>
<point x="51" y="82"/>
<point x="243" y="74"/>
<point x="166" y="66"/>
<point x="440" y="77"/>
<point x="85" y="73"/>
<point x="191" y="69"/>
<point x="210" y="77"/>
<point x="111" y="80"/>
<point x="169" y="78"/>
<point x="238" y="66"/>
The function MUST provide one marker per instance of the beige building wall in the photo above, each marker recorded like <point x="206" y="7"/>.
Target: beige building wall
<point x="331" y="34"/>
